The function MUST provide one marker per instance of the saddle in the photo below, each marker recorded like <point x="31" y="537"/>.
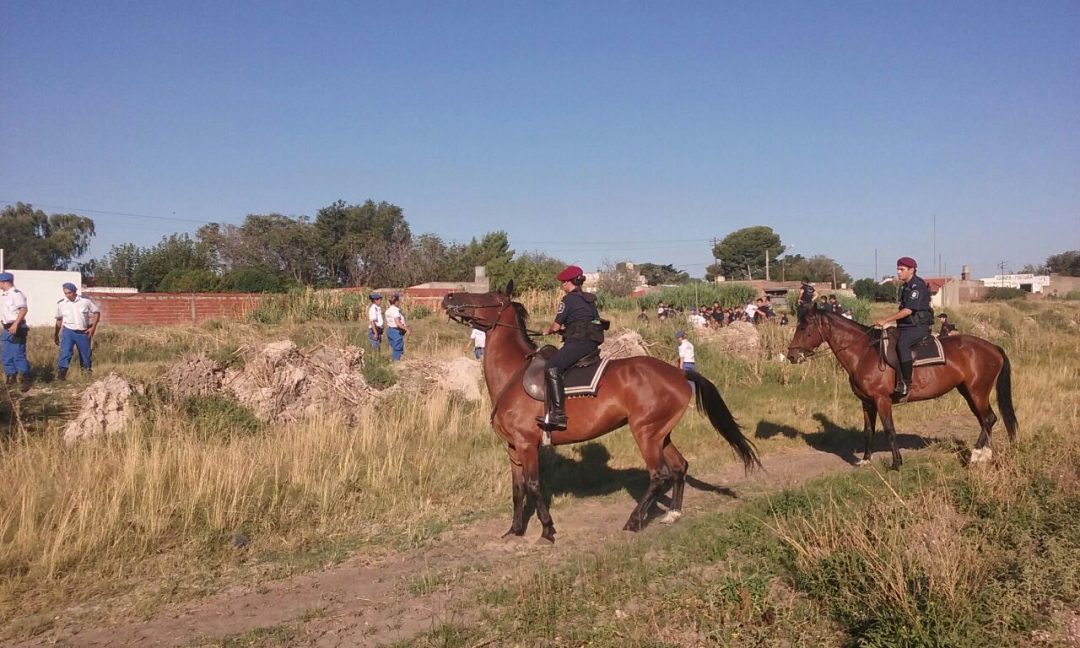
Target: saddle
<point x="582" y="379"/>
<point x="927" y="351"/>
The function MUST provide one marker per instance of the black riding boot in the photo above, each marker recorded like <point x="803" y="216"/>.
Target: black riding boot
<point x="903" y="382"/>
<point x="555" y="397"/>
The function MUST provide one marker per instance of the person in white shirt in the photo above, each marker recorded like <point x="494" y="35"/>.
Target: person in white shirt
<point x="396" y="328"/>
<point x="477" y="340"/>
<point x="76" y="321"/>
<point x="686" y="356"/>
<point x="14" y="332"/>
<point x="751" y="311"/>
<point x="375" y="321"/>
<point x="697" y="320"/>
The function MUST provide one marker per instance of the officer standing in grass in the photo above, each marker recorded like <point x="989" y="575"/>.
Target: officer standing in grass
<point x="13" y="336"/>
<point x="375" y="321"/>
<point x="914" y="319"/>
<point x="76" y="321"/>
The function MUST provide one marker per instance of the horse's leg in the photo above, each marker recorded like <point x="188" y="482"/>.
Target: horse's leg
<point x="869" y="423"/>
<point x="517" y="474"/>
<point x="678" y="465"/>
<point x="979" y="402"/>
<point x="530" y="464"/>
<point x="650" y="438"/>
<point x="884" y="409"/>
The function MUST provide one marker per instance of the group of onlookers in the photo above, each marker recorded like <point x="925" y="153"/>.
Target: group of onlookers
<point x="715" y="316"/>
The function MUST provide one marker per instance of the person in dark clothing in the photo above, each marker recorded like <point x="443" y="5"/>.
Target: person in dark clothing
<point x="835" y="306"/>
<point x="578" y="321"/>
<point x="914" y="318"/>
<point x="806" y="297"/>
<point x="947" y="328"/>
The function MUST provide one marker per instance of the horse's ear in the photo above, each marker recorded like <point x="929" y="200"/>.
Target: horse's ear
<point x="510" y="288"/>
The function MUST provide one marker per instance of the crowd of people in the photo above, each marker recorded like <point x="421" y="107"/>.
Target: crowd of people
<point x="715" y="316"/>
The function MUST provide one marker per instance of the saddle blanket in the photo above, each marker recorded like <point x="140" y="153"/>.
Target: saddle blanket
<point x="578" y="380"/>
<point x="926" y="352"/>
<point x="583" y="381"/>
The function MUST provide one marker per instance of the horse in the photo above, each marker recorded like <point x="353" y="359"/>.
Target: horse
<point x="648" y="394"/>
<point x="972" y="366"/>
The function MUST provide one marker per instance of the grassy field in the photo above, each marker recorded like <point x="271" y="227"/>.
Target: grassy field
<point x="934" y="555"/>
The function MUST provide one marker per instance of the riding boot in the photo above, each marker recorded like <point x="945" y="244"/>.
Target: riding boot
<point x="903" y="382"/>
<point x="555" y="397"/>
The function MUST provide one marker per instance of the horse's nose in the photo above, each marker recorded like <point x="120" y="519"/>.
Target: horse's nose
<point x="794" y="356"/>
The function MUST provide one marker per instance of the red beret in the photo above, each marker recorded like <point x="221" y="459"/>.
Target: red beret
<point x="570" y="272"/>
<point x="907" y="262"/>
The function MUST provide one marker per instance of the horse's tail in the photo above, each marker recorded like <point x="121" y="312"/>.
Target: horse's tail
<point x="710" y="401"/>
<point x="1004" y="394"/>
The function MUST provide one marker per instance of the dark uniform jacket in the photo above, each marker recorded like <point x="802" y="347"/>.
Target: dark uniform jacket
<point x="806" y="296"/>
<point x="916" y="295"/>
<point x="579" y="317"/>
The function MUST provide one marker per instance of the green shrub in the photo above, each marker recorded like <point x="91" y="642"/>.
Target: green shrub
<point x="177" y="281"/>
<point x="1004" y="294"/>
<point x="377" y="370"/>
<point x="1072" y="295"/>
<point x="252" y="280"/>
<point x="419" y="312"/>
<point x="694" y="294"/>
<point x="219" y="416"/>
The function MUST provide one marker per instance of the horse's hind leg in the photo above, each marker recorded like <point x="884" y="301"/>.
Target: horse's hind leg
<point x="979" y="402"/>
<point x="650" y="438"/>
<point x="530" y="464"/>
<point x="517" y="474"/>
<point x="869" y="423"/>
<point x="678" y="466"/>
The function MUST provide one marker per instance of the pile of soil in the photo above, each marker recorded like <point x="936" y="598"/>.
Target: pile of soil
<point x="462" y="375"/>
<point x="740" y="339"/>
<point x="195" y="376"/>
<point x="281" y="382"/>
<point x="624" y="344"/>
<point x="106" y="408"/>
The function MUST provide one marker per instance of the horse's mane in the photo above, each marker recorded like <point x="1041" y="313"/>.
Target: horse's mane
<point x="523" y="320"/>
<point x="871" y="332"/>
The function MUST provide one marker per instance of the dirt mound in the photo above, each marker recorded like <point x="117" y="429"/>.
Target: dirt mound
<point x="195" y="376"/>
<point x="106" y="408"/>
<point x="281" y="382"/>
<point x="624" y="344"/>
<point x="740" y="339"/>
<point x="461" y="375"/>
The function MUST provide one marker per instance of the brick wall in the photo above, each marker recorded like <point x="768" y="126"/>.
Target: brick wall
<point x="160" y="309"/>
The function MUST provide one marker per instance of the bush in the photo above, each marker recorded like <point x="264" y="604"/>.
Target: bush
<point x="377" y="370"/>
<point x="694" y="294"/>
<point x="1004" y="294"/>
<point x="218" y="416"/>
<point x="252" y="280"/>
<point x="419" y="312"/>
<point x="177" y="281"/>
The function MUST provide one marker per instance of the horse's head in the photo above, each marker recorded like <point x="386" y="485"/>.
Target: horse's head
<point x="481" y="310"/>
<point x="809" y="335"/>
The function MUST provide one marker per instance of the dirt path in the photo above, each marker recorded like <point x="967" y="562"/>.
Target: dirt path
<point x="358" y="603"/>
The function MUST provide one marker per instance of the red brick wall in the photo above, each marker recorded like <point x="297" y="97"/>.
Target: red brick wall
<point x="159" y="309"/>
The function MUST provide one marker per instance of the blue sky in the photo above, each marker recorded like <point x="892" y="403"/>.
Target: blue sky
<point x="594" y="132"/>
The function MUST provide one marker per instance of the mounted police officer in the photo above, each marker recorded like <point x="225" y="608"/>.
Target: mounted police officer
<point x="913" y="319"/>
<point x="806" y="297"/>
<point x="578" y="321"/>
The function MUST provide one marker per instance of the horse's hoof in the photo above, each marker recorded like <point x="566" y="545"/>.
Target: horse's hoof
<point x="861" y="463"/>
<point x="513" y="532"/>
<point x="671" y="517"/>
<point x="632" y="525"/>
<point x="547" y="537"/>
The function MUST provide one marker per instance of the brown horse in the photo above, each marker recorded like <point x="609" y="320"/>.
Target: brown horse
<point x="973" y="366"/>
<point x="645" y="392"/>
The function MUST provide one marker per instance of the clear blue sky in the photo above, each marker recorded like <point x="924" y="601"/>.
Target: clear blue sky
<point x="590" y="131"/>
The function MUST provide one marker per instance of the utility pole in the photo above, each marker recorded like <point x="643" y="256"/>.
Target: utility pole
<point x="1001" y="267"/>
<point x="877" y="277"/>
<point x="766" y="264"/>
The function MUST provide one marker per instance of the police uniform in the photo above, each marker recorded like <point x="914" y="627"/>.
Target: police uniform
<point x="13" y="351"/>
<point x="76" y="317"/>
<point x="914" y="296"/>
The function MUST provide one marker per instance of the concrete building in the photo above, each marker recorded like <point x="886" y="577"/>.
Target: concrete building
<point x="1026" y="282"/>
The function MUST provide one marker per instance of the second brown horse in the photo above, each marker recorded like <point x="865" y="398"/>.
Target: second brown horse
<point x="646" y="393"/>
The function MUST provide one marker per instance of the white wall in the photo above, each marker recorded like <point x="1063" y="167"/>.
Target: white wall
<point x="43" y="289"/>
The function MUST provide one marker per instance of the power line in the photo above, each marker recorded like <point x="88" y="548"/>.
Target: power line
<point x="108" y="213"/>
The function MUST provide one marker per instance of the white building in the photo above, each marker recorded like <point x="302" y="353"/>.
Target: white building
<point x="1027" y="282"/>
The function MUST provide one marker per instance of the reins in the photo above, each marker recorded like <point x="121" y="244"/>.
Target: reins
<point x="460" y="318"/>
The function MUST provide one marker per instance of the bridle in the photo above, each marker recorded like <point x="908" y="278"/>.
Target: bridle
<point x="456" y="313"/>
<point x="807" y="355"/>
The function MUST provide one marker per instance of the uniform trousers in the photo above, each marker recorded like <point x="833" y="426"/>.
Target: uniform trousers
<point x="909" y="337"/>
<point x="69" y="341"/>
<point x="396" y="337"/>
<point x="13" y="351"/>
<point x="573" y="349"/>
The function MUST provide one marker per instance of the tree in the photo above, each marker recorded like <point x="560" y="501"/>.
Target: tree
<point x="270" y="243"/>
<point x="34" y="241"/>
<point x="617" y="279"/>
<point x="656" y="275"/>
<point x="492" y="251"/>
<point x="535" y="271"/>
<point x="871" y="290"/>
<point x="177" y="254"/>
<point x="116" y="268"/>
<point x="1066" y="263"/>
<point x="365" y="244"/>
<point x="819" y="268"/>
<point x="742" y="253"/>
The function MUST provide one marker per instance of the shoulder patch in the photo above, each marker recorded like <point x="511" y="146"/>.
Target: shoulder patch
<point x="914" y="294"/>
<point x="562" y="307"/>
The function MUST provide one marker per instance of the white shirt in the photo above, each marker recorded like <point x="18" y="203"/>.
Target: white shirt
<point x="686" y="351"/>
<point x="698" y="321"/>
<point x="11" y="301"/>
<point x="751" y="310"/>
<point x="479" y="338"/>
<point x="393" y="314"/>
<point x="374" y="314"/>
<point x="75" y="315"/>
